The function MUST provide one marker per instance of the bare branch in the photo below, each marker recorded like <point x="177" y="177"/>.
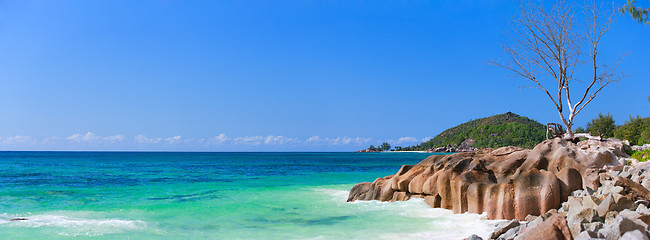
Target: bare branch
<point x="547" y="44"/>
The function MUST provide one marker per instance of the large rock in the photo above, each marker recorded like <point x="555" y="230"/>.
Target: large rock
<point x="553" y="228"/>
<point x="506" y="183"/>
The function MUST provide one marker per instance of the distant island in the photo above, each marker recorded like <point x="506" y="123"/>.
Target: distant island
<point x="507" y="129"/>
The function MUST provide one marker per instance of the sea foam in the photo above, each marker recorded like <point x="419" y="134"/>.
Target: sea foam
<point x="446" y="224"/>
<point x="70" y="224"/>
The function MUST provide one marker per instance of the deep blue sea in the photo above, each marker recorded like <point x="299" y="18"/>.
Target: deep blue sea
<point x="163" y="195"/>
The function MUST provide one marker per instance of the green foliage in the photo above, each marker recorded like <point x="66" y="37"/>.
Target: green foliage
<point x="385" y="146"/>
<point x="640" y="14"/>
<point x="373" y="148"/>
<point x="506" y="129"/>
<point x="642" y="156"/>
<point x="580" y="130"/>
<point x="604" y="125"/>
<point x="636" y="130"/>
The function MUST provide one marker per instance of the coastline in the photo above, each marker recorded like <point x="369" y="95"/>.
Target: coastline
<point x="405" y="152"/>
<point x="571" y="190"/>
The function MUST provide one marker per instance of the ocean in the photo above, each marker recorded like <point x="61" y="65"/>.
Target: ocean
<point x="165" y="195"/>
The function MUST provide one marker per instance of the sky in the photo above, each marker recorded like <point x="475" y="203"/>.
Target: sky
<point x="272" y="75"/>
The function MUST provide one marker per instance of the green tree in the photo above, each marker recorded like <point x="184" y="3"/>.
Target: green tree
<point x="636" y="130"/>
<point x="385" y="146"/>
<point x="640" y="14"/>
<point x="372" y="148"/>
<point x="580" y="130"/>
<point x="603" y="125"/>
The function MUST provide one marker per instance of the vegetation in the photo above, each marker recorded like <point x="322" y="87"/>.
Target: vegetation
<point x="642" y="156"/>
<point x="603" y="126"/>
<point x="506" y="129"/>
<point x="385" y="146"/>
<point x="636" y="130"/>
<point x="640" y="14"/>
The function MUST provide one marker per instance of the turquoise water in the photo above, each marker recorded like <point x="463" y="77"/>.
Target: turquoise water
<point x="119" y="195"/>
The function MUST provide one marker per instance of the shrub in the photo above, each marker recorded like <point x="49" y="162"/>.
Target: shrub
<point x="642" y="156"/>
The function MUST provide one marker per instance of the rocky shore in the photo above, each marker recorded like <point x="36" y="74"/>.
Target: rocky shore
<point x="367" y="150"/>
<point x="618" y="209"/>
<point x="557" y="190"/>
<point x="465" y="146"/>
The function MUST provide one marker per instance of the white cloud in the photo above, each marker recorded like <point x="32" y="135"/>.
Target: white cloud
<point x="142" y="139"/>
<point x="88" y="137"/>
<point x="51" y="140"/>
<point x="268" y="140"/>
<point x="313" y="139"/>
<point x="338" y="140"/>
<point x="115" y="138"/>
<point x="221" y="141"/>
<point x="406" y="140"/>
<point x="16" y="140"/>
<point x="173" y="140"/>
<point x="278" y="140"/>
<point x="255" y="140"/>
<point x="221" y="138"/>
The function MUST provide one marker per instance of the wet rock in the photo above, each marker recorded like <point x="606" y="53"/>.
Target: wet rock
<point x="360" y="191"/>
<point x="18" y="219"/>
<point x="474" y="237"/>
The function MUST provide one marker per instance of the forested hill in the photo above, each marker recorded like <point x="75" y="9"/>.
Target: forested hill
<point x="506" y="129"/>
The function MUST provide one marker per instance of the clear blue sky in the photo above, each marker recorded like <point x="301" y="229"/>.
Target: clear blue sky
<point x="271" y="75"/>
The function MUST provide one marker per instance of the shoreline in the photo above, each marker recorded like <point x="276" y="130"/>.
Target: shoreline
<point x="404" y="152"/>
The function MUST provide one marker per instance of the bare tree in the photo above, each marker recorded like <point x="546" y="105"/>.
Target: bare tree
<point x="550" y="49"/>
